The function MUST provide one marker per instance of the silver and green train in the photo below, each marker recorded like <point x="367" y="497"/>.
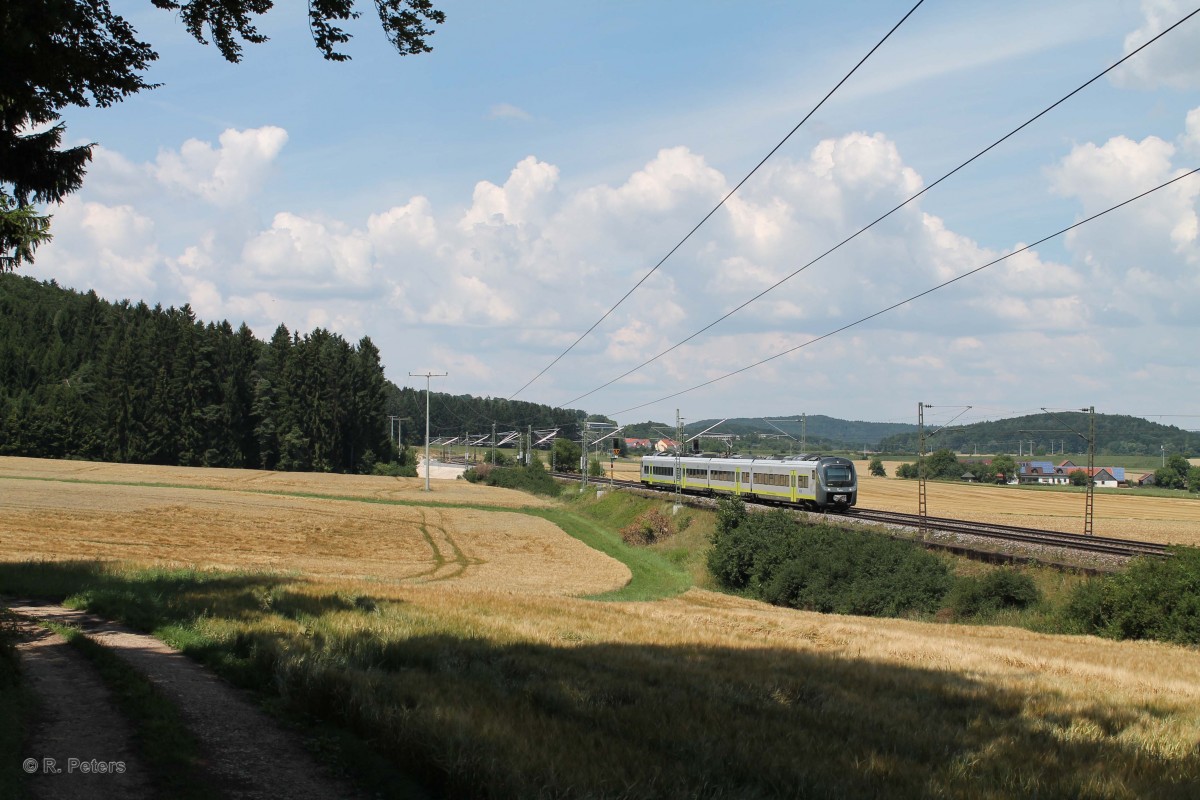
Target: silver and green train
<point x="815" y="481"/>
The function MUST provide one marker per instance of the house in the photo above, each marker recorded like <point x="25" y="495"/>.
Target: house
<point x="1041" y="472"/>
<point x="1146" y="479"/>
<point x="637" y="444"/>
<point x="665" y="445"/>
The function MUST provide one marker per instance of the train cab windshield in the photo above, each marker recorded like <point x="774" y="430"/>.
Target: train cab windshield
<point x="836" y="474"/>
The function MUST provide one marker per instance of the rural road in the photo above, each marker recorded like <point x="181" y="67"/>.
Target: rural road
<point x="247" y="754"/>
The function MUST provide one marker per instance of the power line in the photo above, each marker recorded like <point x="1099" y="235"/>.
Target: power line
<point x="914" y="297"/>
<point x="718" y="206"/>
<point x="867" y="227"/>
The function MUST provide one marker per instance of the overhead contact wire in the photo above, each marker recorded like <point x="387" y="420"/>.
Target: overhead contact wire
<point x="718" y="206"/>
<point x="866" y="228"/>
<point x="894" y="306"/>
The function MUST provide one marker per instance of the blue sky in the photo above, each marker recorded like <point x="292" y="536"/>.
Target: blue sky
<point x="473" y="210"/>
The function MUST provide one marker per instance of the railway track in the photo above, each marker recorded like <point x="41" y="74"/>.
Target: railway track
<point x="1028" y="536"/>
<point x="1033" y="537"/>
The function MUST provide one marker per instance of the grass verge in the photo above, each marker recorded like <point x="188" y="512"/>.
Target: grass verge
<point x="171" y="754"/>
<point x="654" y="577"/>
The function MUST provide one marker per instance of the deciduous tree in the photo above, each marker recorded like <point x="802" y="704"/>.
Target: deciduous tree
<point x="61" y="53"/>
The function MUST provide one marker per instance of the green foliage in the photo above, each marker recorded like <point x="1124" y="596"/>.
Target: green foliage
<point x="595" y="468"/>
<point x="1116" y="434"/>
<point x="823" y="568"/>
<point x="566" y="455"/>
<point x="876" y="467"/>
<point x="1176" y="474"/>
<point x="907" y="471"/>
<point x="395" y="470"/>
<point x="1194" y="479"/>
<point x="943" y="465"/>
<point x="82" y="377"/>
<point x="1155" y="598"/>
<point x="61" y="53"/>
<point x="533" y="478"/>
<point x="996" y="590"/>
<point x="1078" y="477"/>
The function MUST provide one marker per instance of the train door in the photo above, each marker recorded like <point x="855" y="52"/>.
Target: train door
<point x="792" y="485"/>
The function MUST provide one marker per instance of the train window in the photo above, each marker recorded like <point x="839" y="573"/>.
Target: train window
<point x="837" y="472"/>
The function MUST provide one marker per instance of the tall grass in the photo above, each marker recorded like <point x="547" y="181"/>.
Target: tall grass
<point x="504" y="696"/>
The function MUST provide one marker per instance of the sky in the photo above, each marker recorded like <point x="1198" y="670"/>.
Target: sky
<point x="476" y="209"/>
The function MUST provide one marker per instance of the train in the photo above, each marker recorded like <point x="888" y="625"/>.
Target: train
<point x="813" y="481"/>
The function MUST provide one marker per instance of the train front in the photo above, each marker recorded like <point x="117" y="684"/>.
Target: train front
<point x="837" y="482"/>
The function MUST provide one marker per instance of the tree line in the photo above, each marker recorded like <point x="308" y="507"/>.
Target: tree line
<point x="1116" y="435"/>
<point x="81" y="377"/>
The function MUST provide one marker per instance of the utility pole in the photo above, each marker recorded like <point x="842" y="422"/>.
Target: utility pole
<point x="1089" y="508"/>
<point x="921" y="509"/>
<point x="427" y="376"/>
<point x="583" y="462"/>
<point x="529" y="449"/>
<point x="493" y="444"/>
<point x="803" y="431"/>
<point x="678" y="462"/>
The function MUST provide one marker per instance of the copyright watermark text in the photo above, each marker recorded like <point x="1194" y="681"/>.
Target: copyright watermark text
<point x="72" y="766"/>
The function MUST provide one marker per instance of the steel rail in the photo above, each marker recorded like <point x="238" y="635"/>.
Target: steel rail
<point x="1010" y="533"/>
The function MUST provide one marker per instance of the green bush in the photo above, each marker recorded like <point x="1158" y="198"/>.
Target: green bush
<point x="997" y="590"/>
<point x="822" y="568"/>
<point x="533" y="478"/>
<point x="394" y="470"/>
<point x="1155" y="598"/>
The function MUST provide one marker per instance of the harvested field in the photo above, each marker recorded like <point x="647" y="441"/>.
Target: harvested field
<point x="1153" y="519"/>
<point x="365" y="486"/>
<point x="465" y="548"/>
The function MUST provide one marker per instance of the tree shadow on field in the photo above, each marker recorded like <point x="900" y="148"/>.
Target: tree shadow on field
<point x="636" y="720"/>
<point x="151" y="597"/>
<point x="472" y="716"/>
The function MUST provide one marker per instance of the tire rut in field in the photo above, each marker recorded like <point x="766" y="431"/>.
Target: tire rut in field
<point x="251" y="757"/>
<point x="444" y="568"/>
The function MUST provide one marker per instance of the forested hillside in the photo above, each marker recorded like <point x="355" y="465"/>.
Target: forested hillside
<point x="456" y="415"/>
<point x="83" y="377"/>
<point x="817" y="430"/>
<point x="1059" y="432"/>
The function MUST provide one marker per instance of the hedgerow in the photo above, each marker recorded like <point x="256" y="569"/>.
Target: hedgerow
<point x="775" y="558"/>
<point x="1155" y="598"/>
<point x="532" y="478"/>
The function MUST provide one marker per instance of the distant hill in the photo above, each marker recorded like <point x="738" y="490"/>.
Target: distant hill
<point x="817" y="430"/>
<point x="1115" y="435"/>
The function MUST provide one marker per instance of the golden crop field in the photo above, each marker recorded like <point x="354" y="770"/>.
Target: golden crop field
<point x="499" y="590"/>
<point x="1124" y="516"/>
<point x="316" y="537"/>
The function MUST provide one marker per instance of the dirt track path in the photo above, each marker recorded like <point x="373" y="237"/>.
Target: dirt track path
<point x="77" y="720"/>
<point x="248" y="754"/>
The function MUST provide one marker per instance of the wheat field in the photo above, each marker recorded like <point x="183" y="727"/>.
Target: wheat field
<point x="699" y="673"/>
<point x="121" y="519"/>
